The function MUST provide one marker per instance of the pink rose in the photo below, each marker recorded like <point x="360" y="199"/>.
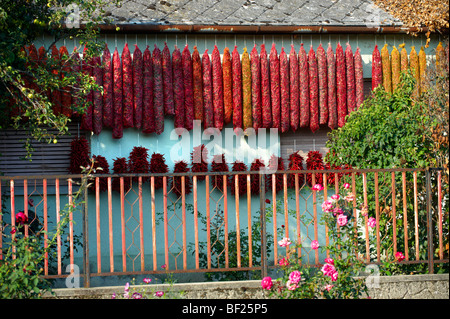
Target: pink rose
<point x="371" y="222"/>
<point x="329" y="261"/>
<point x="21" y="218"/>
<point x="334" y="276"/>
<point x="284" y="242"/>
<point x="350" y="197"/>
<point x="159" y="293"/>
<point x="342" y="220"/>
<point x="399" y="256"/>
<point x="147" y="280"/>
<point x="291" y="285"/>
<point x="328" y="269"/>
<point x="337" y="211"/>
<point x="295" y="276"/>
<point x="335" y="197"/>
<point x="318" y="187"/>
<point x="346" y="185"/>
<point x="267" y="283"/>
<point x="314" y="244"/>
<point x="328" y="287"/>
<point x="327" y="206"/>
<point x="283" y="262"/>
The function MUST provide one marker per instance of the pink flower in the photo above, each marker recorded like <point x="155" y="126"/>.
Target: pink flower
<point x="329" y="261"/>
<point x="164" y="266"/>
<point x="328" y="269"/>
<point x="318" y="187"/>
<point x="335" y="197"/>
<point x="159" y="293"/>
<point x="346" y="185"/>
<point x="127" y="287"/>
<point x="334" y="276"/>
<point x="364" y="210"/>
<point x="399" y="256"/>
<point x="327" y="206"/>
<point x="337" y="211"/>
<point x="113" y="296"/>
<point x="314" y="244"/>
<point x="136" y="295"/>
<point x="13" y="231"/>
<point x="291" y="285"/>
<point x="342" y="220"/>
<point x="21" y="218"/>
<point x="284" y="242"/>
<point x="328" y="287"/>
<point x="350" y="197"/>
<point x="371" y="222"/>
<point x="295" y="276"/>
<point x="267" y="283"/>
<point x="147" y="280"/>
<point x="283" y="262"/>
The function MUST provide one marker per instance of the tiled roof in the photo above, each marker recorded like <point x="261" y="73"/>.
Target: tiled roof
<point x="251" y="13"/>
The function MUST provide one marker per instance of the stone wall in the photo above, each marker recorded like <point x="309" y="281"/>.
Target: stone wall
<point x="393" y="287"/>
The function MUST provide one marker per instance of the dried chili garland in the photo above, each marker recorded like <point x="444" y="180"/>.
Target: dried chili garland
<point x="265" y="89"/>
<point x="359" y="78"/>
<point x="256" y="89"/>
<point x="97" y="111"/>
<point x="323" y="85"/>
<point x="237" y="89"/>
<point x="138" y="89"/>
<point x="199" y="161"/>
<point x="186" y="61"/>
<point x="177" y="181"/>
<point x="284" y="92"/>
<point x="66" y="96"/>
<point x="256" y="166"/>
<point x="198" y="85"/>
<point x="295" y="164"/>
<point x="217" y="88"/>
<point x="117" y="92"/>
<point x="239" y="166"/>
<point x="350" y="77"/>
<point x="208" y="108"/>
<point x="227" y="87"/>
<point x="169" y="107"/>
<point x="219" y="164"/>
<point x="341" y="85"/>
<point x="377" y="71"/>
<point x="313" y="91"/>
<point x="294" y="90"/>
<point x="158" y="165"/>
<point x="246" y="91"/>
<point x="274" y="64"/>
<point x="108" y="108"/>
<point x="148" y="112"/>
<point x="178" y="88"/>
<point x="127" y="88"/>
<point x="86" y="118"/>
<point x="120" y="166"/>
<point x="332" y="103"/>
<point x="304" y="86"/>
<point x="396" y="68"/>
<point x="158" y="90"/>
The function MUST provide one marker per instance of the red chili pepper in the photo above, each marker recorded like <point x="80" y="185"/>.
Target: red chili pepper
<point x="313" y="91"/>
<point x="294" y="89"/>
<point x="148" y="113"/>
<point x="350" y="75"/>
<point x="246" y="91"/>
<point x="304" y="86"/>
<point x="284" y="92"/>
<point x="217" y="86"/>
<point x="138" y="94"/>
<point x="97" y="111"/>
<point x="256" y="89"/>
<point x="341" y="85"/>
<point x="66" y="96"/>
<point x="265" y="89"/>
<point x="178" y="88"/>
<point x="227" y="86"/>
<point x="208" y="108"/>
<point x="275" y="87"/>
<point x="169" y="107"/>
<point x="186" y="61"/>
<point x="237" y="89"/>
<point x="332" y="104"/>
<point x="117" y="85"/>
<point x="198" y="85"/>
<point x="108" y="109"/>
<point x="158" y="95"/>
<point x="323" y="87"/>
<point x="359" y="78"/>
<point x="86" y="118"/>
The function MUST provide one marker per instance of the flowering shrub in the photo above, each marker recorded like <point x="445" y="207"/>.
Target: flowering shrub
<point x="336" y="277"/>
<point x="143" y="291"/>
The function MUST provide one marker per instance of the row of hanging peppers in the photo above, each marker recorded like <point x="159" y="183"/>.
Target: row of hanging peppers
<point x="256" y="90"/>
<point x="140" y="161"/>
<point x="387" y="67"/>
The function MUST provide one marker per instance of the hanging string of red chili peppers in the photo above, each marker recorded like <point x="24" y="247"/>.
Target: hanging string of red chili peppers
<point x="299" y="90"/>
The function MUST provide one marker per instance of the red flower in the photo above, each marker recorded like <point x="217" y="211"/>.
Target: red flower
<point x="268" y="201"/>
<point x="21" y="218"/>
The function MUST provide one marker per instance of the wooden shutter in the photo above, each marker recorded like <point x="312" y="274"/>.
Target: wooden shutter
<point x="46" y="159"/>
